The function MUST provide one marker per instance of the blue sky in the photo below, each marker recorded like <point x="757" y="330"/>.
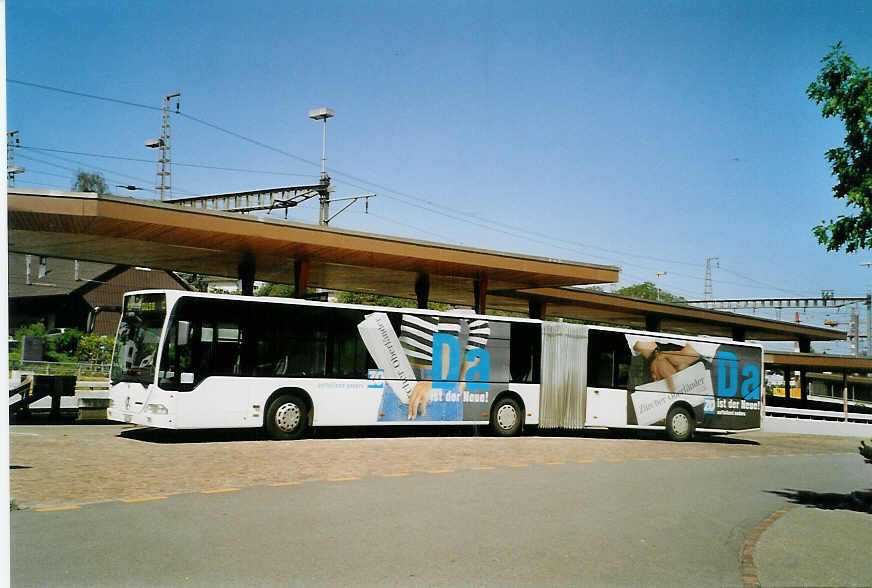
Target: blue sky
<point x="649" y="135"/>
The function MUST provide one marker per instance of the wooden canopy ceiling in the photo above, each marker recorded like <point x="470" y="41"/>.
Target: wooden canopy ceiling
<point x="133" y="232"/>
<point x="813" y="361"/>
<point x="158" y="235"/>
<point x="590" y="305"/>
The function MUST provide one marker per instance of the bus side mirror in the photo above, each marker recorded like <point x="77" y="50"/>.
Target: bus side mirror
<point x="184" y="333"/>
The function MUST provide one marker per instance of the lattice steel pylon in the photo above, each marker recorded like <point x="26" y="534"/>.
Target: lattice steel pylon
<point x="164" y="162"/>
<point x="707" y="293"/>
<point x="11" y="169"/>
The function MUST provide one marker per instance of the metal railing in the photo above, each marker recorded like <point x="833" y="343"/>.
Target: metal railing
<point x="52" y="368"/>
<point x="825" y="415"/>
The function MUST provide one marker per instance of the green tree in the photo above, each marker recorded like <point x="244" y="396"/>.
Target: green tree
<point x="60" y="347"/>
<point x="33" y="330"/>
<point x="95" y="348"/>
<point x="90" y="182"/>
<point x="844" y="90"/>
<point x="198" y="281"/>
<point x="379" y="300"/>
<point x="648" y="291"/>
<point x="277" y="290"/>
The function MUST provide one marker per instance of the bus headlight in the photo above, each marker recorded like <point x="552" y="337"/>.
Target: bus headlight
<point x="157" y="409"/>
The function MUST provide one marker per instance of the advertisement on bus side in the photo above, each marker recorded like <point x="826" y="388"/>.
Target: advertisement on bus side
<point x="436" y="368"/>
<point x="721" y="381"/>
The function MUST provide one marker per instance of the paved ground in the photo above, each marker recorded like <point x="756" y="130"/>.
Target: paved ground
<point x="76" y="464"/>
<point x="57" y="468"/>
<point x="821" y="547"/>
<point x="61" y="467"/>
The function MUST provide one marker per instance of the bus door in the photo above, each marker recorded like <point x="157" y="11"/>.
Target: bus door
<point x="207" y="367"/>
<point x="608" y="368"/>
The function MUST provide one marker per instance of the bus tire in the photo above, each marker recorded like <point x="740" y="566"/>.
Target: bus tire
<point x="506" y="417"/>
<point x="679" y="424"/>
<point x="287" y="417"/>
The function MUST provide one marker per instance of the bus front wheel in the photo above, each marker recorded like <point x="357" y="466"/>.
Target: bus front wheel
<point x="506" y="417"/>
<point x="287" y="417"/>
<point x="679" y="424"/>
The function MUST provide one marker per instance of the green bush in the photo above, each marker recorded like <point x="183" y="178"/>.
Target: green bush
<point x="64" y="343"/>
<point x="865" y="451"/>
<point x="34" y="330"/>
<point x="71" y="346"/>
<point x="95" y="348"/>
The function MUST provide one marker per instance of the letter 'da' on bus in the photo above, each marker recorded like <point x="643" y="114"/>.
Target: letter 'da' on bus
<point x="478" y="374"/>
<point x="728" y="374"/>
<point x="441" y="341"/>
<point x="751" y="384"/>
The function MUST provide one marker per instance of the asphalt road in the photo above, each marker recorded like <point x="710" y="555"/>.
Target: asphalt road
<point x="659" y="522"/>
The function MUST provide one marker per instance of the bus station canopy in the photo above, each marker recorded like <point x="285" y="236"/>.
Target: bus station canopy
<point x="602" y="307"/>
<point x="161" y="235"/>
<point x="844" y="364"/>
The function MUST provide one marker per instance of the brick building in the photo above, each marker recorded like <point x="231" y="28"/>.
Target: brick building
<point x="63" y="293"/>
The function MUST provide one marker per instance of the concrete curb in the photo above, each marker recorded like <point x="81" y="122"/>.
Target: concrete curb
<point x="749" y="569"/>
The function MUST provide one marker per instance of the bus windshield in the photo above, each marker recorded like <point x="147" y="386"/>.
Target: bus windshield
<point x="136" y="342"/>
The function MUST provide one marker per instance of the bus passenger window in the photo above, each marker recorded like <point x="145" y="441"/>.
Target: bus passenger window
<point x="225" y="350"/>
<point x="525" y="352"/>
<point x="608" y="356"/>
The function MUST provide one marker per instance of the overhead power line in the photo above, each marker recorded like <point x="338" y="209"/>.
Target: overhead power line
<point x="431" y="206"/>
<point x="92" y="166"/>
<point x="150" y="161"/>
<point x="400" y="196"/>
<point x="81" y="94"/>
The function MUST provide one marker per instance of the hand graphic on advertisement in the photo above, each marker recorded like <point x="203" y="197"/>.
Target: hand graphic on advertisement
<point x="464" y="367"/>
<point x="681" y="359"/>
<point x="666" y="363"/>
<point x="420" y="396"/>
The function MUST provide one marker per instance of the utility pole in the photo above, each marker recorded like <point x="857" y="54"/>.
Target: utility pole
<point x="707" y="293"/>
<point x="868" y="264"/>
<point x="854" y="332"/>
<point x="324" y="187"/>
<point x="11" y="169"/>
<point x="164" y="162"/>
<point x="659" y="275"/>
<point x="270" y="199"/>
<point x="323" y="114"/>
<point x="869" y="324"/>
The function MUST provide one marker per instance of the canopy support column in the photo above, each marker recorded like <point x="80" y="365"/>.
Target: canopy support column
<point x="301" y="277"/>
<point x="422" y="289"/>
<point x="804" y="345"/>
<point x="803" y="388"/>
<point x="480" y="291"/>
<point x="246" y="271"/>
<point x="537" y="308"/>
<point x="845" y="394"/>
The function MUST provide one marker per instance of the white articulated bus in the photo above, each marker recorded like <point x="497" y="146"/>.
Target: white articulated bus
<point x="186" y="360"/>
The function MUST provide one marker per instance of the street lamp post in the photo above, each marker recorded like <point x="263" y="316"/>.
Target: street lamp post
<point x="659" y="275"/>
<point x="324" y="193"/>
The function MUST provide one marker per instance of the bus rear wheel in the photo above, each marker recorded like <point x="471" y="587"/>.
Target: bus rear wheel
<point x="506" y="417"/>
<point x="287" y="417"/>
<point x="679" y="424"/>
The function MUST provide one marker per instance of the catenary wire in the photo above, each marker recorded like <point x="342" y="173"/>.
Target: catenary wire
<point x="428" y="205"/>
<point x="151" y="161"/>
<point x="433" y="207"/>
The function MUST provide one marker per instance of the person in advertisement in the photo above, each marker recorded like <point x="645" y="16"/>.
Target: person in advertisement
<point x="720" y="381"/>
<point x="438" y="368"/>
